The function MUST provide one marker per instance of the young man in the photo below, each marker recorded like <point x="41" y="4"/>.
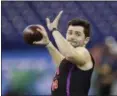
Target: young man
<point x="74" y="62"/>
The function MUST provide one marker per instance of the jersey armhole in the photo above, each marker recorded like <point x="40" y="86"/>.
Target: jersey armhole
<point x="92" y="59"/>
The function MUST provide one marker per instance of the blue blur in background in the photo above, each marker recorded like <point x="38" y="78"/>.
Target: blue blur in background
<point x="17" y="56"/>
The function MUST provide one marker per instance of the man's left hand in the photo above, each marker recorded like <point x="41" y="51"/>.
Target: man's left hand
<point x="53" y="24"/>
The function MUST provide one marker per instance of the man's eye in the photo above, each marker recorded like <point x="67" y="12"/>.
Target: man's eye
<point x="70" y="32"/>
<point x="78" y="34"/>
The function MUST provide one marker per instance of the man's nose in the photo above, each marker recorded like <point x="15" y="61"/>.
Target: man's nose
<point x="72" y="37"/>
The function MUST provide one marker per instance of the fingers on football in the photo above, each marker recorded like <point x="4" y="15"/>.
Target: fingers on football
<point x="42" y="32"/>
<point x="41" y="27"/>
<point x="38" y="42"/>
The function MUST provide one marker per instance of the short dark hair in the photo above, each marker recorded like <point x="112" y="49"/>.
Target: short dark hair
<point x="80" y="22"/>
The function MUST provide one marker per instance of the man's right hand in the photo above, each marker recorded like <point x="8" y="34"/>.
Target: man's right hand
<point x="45" y="40"/>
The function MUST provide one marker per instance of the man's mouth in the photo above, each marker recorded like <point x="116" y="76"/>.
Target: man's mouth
<point x="71" y="41"/>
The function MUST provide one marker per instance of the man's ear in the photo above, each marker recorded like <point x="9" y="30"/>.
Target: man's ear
<point x="87" y="40"/>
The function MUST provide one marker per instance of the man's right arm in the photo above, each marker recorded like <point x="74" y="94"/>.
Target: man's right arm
<point x="56" y="55"/>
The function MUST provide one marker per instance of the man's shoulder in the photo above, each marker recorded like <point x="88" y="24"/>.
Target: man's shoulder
<point x="88" y="59"/>
<point x="85" y="52"/>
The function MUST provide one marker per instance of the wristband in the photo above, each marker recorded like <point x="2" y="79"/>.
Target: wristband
<point x="54" y="29"/>
<point x="47" y="44"/>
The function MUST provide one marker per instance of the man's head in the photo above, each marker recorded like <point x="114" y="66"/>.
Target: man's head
<point x="78" y="32"/>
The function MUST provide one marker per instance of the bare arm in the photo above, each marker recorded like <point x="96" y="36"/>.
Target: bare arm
<point x="77" y="55"/>
<point x="56" y="55"/>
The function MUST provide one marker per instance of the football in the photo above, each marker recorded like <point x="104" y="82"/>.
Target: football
<point x="31" y="34"/>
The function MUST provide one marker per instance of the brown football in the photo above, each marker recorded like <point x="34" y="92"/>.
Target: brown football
<point x="31" y="34"/>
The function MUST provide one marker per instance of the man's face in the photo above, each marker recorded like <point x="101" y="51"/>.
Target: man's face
<point x="75" y="36"/>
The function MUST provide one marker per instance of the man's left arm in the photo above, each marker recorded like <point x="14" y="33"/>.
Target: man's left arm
<point x="64" y="46"/>
<point x="78" y="56"/>
<point x="74" y="55"/>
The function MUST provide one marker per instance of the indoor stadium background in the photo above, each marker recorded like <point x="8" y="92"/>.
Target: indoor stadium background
<point x="22" y="63"/>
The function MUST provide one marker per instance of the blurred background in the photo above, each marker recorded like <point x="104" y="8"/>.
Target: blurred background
<point x="29" y="69"/>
